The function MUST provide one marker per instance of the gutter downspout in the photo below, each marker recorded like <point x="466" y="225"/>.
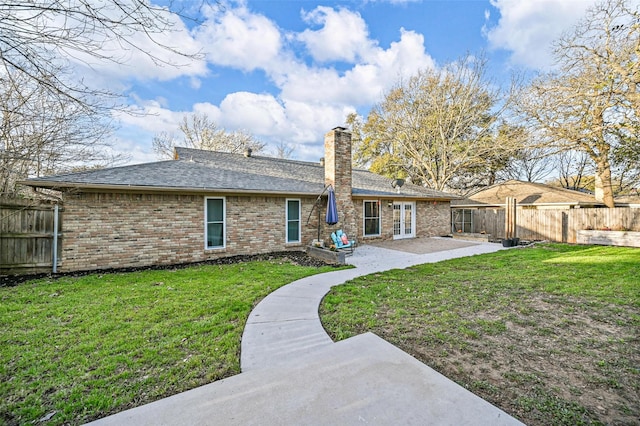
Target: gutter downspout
<point x="55" y="238"/>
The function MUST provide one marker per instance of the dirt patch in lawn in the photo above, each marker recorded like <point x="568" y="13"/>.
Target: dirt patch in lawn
<point x="555" y="356"/>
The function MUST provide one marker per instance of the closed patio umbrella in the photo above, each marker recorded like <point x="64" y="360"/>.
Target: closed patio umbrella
<point x="332" y="209"/>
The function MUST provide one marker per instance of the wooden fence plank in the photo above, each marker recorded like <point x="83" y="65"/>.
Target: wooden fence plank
<point x="558" y="225"/>
<point x="26" y="237"/>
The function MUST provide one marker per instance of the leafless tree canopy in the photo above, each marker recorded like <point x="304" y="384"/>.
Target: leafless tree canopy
<point x="200" y="132"/>
<point x="42" y="134"/>
<point x="284" y="150"/>
<point x="592" y="104"/>
<point x="38" y="37"/>
<point x="51" y="120"/>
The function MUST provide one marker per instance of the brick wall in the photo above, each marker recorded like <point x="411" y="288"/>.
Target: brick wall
<point x="117" y="230"/>
<point x="433" y="218"/>
<point x="337" y="158"/>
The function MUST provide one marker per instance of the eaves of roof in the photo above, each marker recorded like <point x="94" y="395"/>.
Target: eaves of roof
<point x="61" y="186"/>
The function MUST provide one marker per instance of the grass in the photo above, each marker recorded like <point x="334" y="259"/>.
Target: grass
<point x="549" y="333"/>
<point x="76" y="349"/>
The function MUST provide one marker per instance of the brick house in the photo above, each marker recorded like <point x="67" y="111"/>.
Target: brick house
<point x="204" y="205"/>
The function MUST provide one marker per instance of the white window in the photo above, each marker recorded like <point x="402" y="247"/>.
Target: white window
<point x="293" y="221"/>
<point x="462" y="220"/>
<point x="371" y="217"/>
<point x="214" y="226"/>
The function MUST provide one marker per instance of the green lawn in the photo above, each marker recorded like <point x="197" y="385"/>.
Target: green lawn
<point x="550" y="334"/>
<point x="83" y="348"/>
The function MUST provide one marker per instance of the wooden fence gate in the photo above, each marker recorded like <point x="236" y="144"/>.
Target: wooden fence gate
<point x="27" y="236"/>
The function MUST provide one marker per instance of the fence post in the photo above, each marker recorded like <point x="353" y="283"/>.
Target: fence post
<point x="56" y="211"/>
<point x="510" y="218"/>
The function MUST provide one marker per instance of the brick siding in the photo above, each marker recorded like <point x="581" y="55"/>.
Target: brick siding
<point x="115" y="230"/>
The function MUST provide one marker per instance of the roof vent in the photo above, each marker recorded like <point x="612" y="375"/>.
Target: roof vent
<point x="322" y="161"/>
<point x="247" y="152"/>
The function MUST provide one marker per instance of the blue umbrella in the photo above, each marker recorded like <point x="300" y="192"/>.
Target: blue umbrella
<point x="332" y="209"/>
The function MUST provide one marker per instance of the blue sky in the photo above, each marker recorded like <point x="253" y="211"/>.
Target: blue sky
<point x="290" y="70"/>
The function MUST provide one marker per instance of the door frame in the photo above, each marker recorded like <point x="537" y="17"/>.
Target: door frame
<point x="402" y="211"/>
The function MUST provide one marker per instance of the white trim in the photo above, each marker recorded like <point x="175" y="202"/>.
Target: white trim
<point x="364" y="218"/>
<point x="286" y="221"/>
<point x="224" y="223"/>
<point x="402" y="209"/>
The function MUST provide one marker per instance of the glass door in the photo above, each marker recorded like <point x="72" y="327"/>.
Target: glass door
<point x="403" y="220"/>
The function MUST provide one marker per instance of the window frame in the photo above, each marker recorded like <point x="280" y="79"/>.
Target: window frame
<point x="365" y="218"/>
<point x="298" y="240"/>
<point x="462" y="213"/>
<point x="206" y="223"/>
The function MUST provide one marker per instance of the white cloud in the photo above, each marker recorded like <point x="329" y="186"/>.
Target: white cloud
<point x="307" y="100"/>
<point x="404" y="57"/>
<point x="261" y="113"/>
<point x="343" y="36"/>
<point x="151" y="116"/>
<point x="154" y="58"/>
<point x="134" y="148"/>
<point x="366" y="81"/>
<point x="238" y="38"/>
<point x="528" y="28"/>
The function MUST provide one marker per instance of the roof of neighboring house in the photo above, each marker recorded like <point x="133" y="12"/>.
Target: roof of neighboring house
<point x="526" y="194"/>
<point x="628" y="200"/>
<point x="210" y="171"/>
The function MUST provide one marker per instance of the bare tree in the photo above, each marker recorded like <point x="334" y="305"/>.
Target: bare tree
<point x="575" y="170"/>
<point x="592" y="104"/>
<point x="200" y="132"/>
<point x="51" y="120"/>
<point x="530" y="163"/>
<point x="38" y="38"/>
<point x="284" y="150"/>
<point x="440" y="128"/>
<point x="41" y="134"/>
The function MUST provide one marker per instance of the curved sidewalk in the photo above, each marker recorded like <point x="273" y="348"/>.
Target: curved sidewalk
<point x="286" y="323"/>
<point x="292" y="372"/>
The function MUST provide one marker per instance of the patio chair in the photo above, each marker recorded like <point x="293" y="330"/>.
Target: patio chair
<point x="338" y="241"/>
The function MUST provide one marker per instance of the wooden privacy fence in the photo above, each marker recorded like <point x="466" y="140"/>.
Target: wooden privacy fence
<point x="27" y="237"/>
<point x="555" y="225"/>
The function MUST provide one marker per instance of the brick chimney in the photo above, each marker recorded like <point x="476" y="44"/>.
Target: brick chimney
<point x="337" y="172"/>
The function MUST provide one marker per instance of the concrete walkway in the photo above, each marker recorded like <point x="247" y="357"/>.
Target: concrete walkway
<point x="292" y="372"/>
<point x="286" y="324"/>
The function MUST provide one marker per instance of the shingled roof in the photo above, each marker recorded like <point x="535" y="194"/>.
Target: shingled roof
<point x="211" y="171"/>
<point x="526" y="194"/>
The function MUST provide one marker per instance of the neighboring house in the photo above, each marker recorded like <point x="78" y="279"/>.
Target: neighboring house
<point x="528" y="195"/>
<point x="632" y="201"/>
<point x="204" y="205"/>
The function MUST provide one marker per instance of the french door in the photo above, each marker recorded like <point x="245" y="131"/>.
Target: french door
<point x="404" y="220"/>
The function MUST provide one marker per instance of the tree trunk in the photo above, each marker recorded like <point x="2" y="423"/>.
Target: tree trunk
<point x="604" y="191"/>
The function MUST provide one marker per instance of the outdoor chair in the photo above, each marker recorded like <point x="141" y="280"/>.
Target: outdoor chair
<point x="338" y="241"/>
